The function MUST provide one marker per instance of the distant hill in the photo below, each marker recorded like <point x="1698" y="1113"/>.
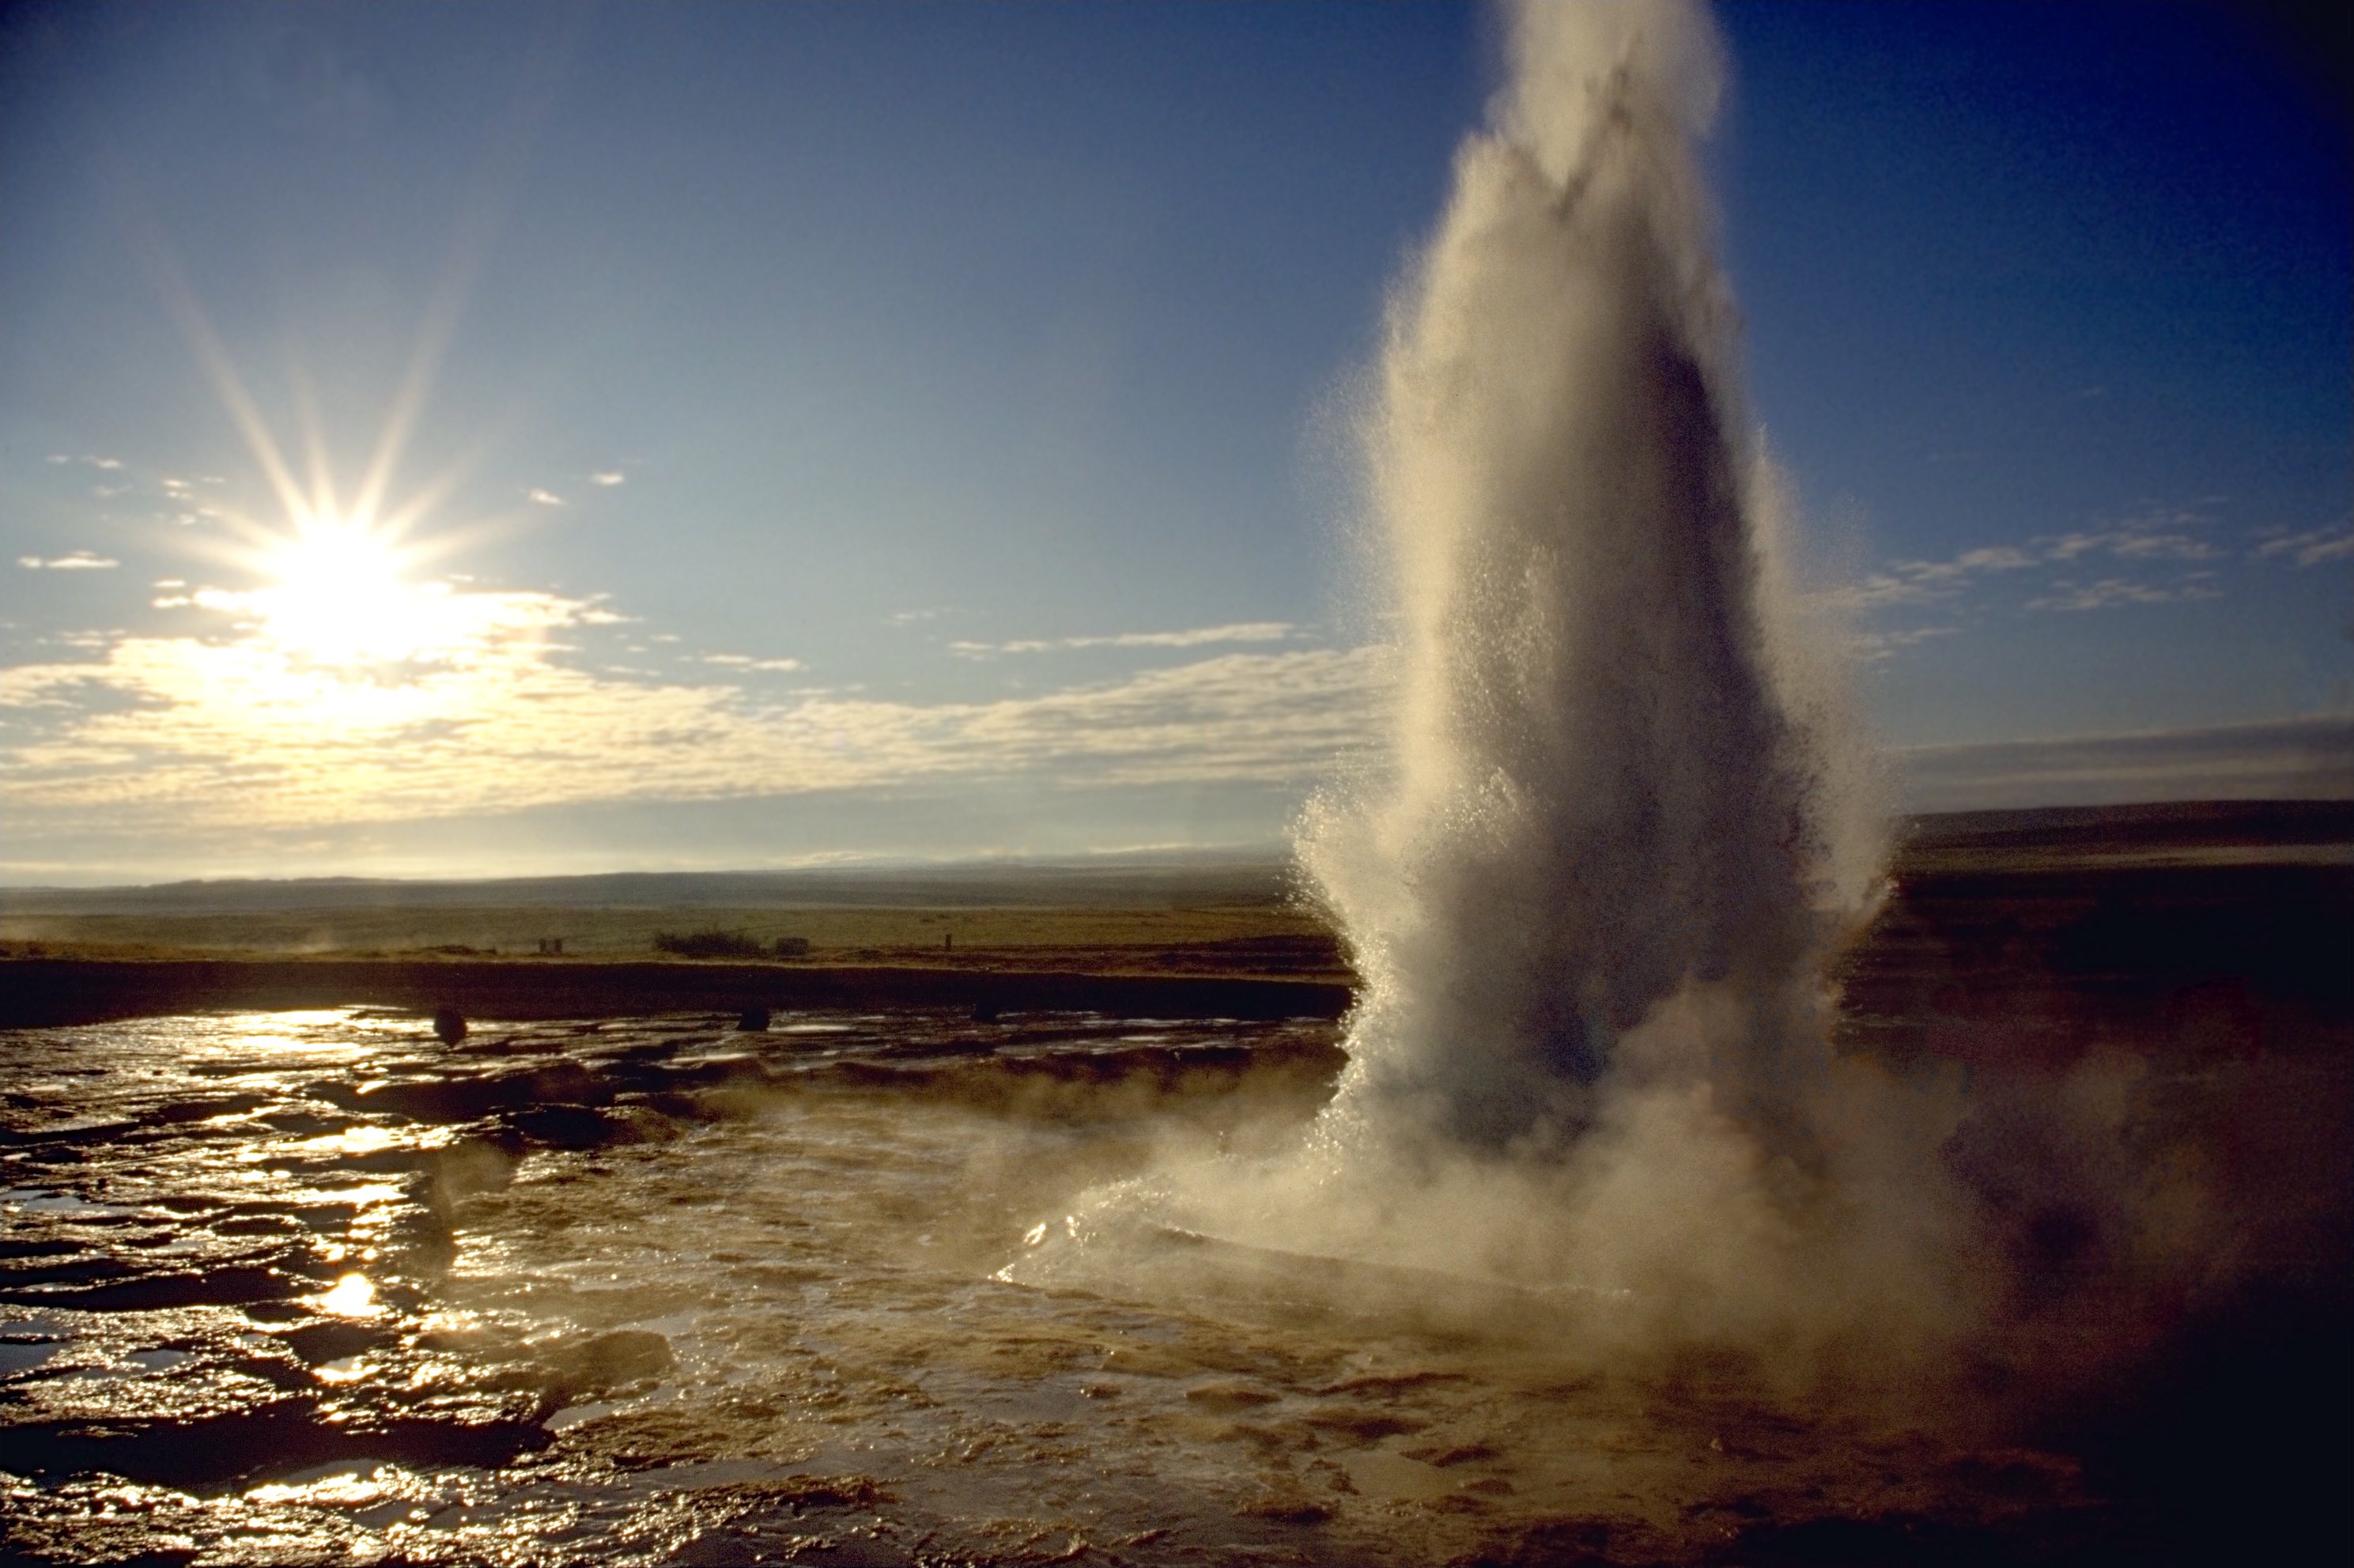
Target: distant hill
<point x="1175" y="881"/>
<point x="1112" y="882"/>
<point x="2173" y="824"/>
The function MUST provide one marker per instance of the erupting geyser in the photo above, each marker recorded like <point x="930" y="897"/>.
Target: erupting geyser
<point x="1612" y="785"/>
<point x="1623" y="828"/>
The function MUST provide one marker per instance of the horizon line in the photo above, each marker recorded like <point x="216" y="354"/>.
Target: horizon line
<point x="1234" y="854"/>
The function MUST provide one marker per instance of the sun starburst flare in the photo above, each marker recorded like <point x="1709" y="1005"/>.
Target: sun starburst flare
<point x="340" y="598"/>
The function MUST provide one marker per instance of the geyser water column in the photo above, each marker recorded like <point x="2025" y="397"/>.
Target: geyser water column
<point x="1591" y="1093"/>
<point x="1614" y="781"/>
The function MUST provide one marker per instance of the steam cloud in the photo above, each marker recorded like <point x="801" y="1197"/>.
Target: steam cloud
<point x="1610" y="784"/>
<point x="1624" y="826"/>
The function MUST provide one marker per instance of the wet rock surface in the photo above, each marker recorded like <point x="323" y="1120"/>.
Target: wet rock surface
<point x="234" y="1316"/>
<point x="319" y="1288"/>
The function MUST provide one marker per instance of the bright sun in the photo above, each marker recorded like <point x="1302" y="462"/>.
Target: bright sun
<point x="339" y="598"/>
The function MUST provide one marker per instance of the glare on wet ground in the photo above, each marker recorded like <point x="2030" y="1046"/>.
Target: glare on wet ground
<point x="314" y="1287"/>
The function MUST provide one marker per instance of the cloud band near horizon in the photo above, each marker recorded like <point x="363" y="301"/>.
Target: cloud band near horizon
<point x="187" y="740"/>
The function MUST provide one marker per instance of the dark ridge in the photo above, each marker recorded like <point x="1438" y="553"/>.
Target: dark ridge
<point x="2171" y="824"/>
<point x="1117" y="880"/>
<point x="41" y="992"/>
<point x="1115" y="883"/>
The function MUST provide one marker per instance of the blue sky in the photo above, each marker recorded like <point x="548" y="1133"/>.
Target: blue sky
<point x="905" y="430"/>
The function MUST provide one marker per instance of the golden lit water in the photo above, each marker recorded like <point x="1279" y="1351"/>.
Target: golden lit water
<point x="311" y="1287"/>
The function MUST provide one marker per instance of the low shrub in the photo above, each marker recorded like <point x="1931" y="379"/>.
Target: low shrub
<point x="714" y="944"/>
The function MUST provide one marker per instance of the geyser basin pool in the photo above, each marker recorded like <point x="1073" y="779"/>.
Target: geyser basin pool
<point x="312" y="1287"/>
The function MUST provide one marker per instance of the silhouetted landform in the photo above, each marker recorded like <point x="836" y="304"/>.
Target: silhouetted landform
<point x="1113" y="880"/>
<point x="2175" y="915"/>
<point x="43" y="992"/>
<point x="2162" y="826"/>
<point x="1127" y="881"/>
<point x="2153" y="912"/>
<point x="2257" y="952"/>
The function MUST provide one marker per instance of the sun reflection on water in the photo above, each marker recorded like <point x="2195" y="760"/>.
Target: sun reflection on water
<point x="351" y="1297"/>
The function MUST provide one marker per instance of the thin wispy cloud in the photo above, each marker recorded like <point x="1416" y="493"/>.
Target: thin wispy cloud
<point x="609" y="477"/>
<point x="172" y="733"/>
<point x="745" y="662"/>
<point x="187" y="734"/>
<point x="539" y="497"/>
<point x="1927" y="582"/>
<point x="1875" y="590"/>
<point x="2127" y="545"/>
<point x="1873" y="647"/>
<point x="76" y="561"/>
<point x="2164" y="547"/>
<point x="1968" y="565"/>
<point x="2112" y="593"/>
<point x="2290" y="758"/>
<point x="2044" y="573"/>
<point x="2312" y="547"/>
<point x="1195" y="637"/>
